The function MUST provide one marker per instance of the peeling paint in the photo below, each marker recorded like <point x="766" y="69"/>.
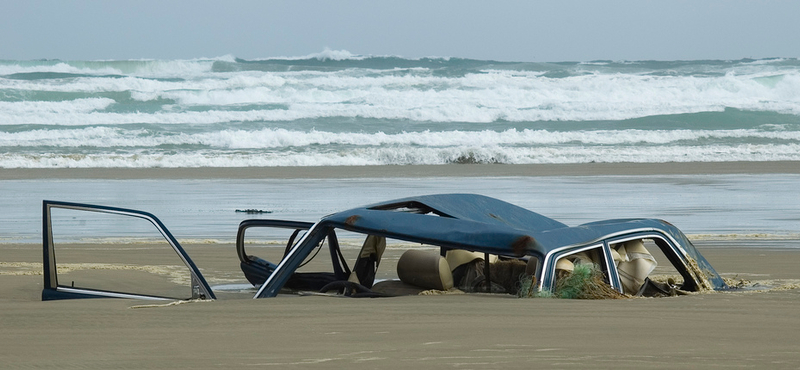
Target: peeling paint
<point x="351" y="221"/>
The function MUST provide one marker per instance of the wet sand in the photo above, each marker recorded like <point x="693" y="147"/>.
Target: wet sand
<point x="716" y="330"/>
<point x="744" y="329"/>
<point x="452" y="170"/>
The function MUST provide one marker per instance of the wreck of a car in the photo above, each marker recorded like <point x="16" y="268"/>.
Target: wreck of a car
<point x="443" y="242"/>
<point x="468" y="229"/>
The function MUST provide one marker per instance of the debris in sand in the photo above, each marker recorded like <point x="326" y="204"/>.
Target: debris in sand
<point x="252" y="211"/>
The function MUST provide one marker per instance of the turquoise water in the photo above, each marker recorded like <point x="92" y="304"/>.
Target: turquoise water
<point x="336" y="108"/>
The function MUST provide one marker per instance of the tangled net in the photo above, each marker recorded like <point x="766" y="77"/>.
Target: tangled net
<point x="586" y="281"/>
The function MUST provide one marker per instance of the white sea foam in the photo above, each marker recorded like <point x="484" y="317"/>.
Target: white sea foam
<point x="141" y="67"/>
<point x="325" y="54"/>
<point x="414" y="108"/>
<point x="60" y="67"/>
<point x="476" y="97"/>
<point x="334" y="55"/>
<point x="108" y="137"/>
<point x="168" y="68"/>
<point x="9" y="110"/>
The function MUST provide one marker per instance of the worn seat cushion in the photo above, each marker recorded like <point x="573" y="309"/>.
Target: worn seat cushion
<point x="425" y="269"/>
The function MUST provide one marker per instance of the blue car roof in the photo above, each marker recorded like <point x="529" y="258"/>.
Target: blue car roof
<point x="479" y="223"/>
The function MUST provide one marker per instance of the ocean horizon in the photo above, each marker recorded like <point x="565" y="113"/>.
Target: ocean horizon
<point x="339" y="109"/>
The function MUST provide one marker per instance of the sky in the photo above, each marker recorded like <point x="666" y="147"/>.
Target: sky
<point x="525" y="31"/>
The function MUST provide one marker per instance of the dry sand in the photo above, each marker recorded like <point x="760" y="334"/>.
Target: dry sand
<point x="716" y="330"/>
<point x="745" y="329"/>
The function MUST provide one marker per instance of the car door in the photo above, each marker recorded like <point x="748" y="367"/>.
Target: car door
<point x="116" y="253"/>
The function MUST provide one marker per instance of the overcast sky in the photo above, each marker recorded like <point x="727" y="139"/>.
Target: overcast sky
<point x="577" y="30"/>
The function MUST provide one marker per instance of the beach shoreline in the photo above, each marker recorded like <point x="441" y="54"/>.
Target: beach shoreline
<point x="703" y="198"/>
<point x="422" y="171"/>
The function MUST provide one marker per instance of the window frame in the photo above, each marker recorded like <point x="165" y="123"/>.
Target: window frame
<point x="52" y="290"/>
<point x="674" y="254"/>
<point x="548" y="280"/>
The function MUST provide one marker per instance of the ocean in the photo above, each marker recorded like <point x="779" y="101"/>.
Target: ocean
<point x="336" y="108"/>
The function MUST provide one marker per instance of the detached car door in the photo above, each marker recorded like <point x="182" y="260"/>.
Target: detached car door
<point x="92" y="251"/>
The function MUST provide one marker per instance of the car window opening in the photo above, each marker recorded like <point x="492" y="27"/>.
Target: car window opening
<point x="649" y="268"/>
<point x="411" y="207"/>
<point x="634" y="264"/>
<point x="333" y="269"/>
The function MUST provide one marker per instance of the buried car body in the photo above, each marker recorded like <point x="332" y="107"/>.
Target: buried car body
<point x="470" y="242"/>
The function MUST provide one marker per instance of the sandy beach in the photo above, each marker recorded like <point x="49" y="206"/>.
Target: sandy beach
<point x="745" y="329"/>
<point x="717" y="330"/>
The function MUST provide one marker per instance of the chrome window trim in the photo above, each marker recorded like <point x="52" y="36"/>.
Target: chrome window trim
<point x="558" y="252"/>
<point x="673" y="244"/>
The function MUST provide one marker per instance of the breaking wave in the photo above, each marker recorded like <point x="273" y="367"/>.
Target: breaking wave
<point x="110" y="137"/>
<point x="146" y="158"/>
<point x="336" y="107"/>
